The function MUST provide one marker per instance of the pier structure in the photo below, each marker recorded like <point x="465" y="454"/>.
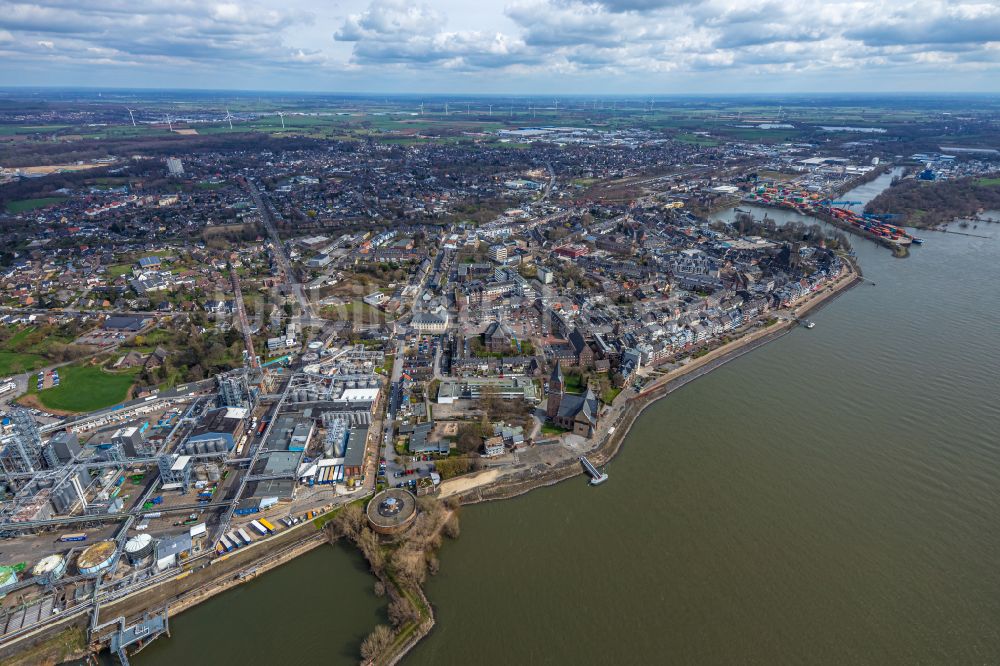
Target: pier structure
<point x="596" y="476"/>
<point x="139" y="634"/>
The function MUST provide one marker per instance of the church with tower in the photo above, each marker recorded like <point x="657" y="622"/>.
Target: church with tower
<point x="577" y="413"/>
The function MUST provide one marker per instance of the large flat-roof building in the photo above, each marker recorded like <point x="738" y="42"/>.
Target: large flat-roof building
<point x="225" y="425"/>
<point x="512" y="388"/>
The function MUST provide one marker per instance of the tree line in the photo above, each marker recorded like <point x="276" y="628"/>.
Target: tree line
<point x="927" y="204"/>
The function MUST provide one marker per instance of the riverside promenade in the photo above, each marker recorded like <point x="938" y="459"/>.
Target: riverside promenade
<point x="617" y="419"/>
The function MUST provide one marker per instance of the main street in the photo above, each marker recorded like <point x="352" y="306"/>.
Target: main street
<point x="289" y="278"/>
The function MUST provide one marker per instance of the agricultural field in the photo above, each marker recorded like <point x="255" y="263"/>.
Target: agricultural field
<point x="25" y="205"/>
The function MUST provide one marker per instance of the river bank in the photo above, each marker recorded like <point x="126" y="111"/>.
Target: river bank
<point x="826" y="500"/>
<point x="616" y="425"/>
<point x="493" y="486"/>
<point x="185" y="589"/>
<point x="502" y="487"/>
<point x="820" y="500"/>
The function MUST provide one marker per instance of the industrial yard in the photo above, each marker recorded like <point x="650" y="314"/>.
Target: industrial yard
<point x="111" y="503"/>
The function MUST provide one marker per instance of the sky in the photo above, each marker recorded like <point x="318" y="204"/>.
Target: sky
<point x="505" y="46"/>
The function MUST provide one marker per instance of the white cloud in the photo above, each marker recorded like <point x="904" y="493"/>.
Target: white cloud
<point x="529" y="40"/>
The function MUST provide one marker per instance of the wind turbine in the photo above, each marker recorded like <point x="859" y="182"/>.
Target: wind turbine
<point x="491" y="110"/>
<point x="421" y="108"/>
<point x="467" y="109"/>
<point x="170" y="123"/>
<point x="446" y="108"/>
<point x="130" y="115"/>
<point x="229" y="117"/>
<point x="281" y="114"/>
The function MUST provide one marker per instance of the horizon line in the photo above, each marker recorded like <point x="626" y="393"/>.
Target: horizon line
<point x="646" y="95"/>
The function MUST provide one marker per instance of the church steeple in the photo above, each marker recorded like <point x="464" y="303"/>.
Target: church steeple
<point x="556" y="381"/>
<point x="555" y="392"/>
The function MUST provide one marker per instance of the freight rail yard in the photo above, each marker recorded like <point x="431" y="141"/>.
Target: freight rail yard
<point x="111" y="504"/>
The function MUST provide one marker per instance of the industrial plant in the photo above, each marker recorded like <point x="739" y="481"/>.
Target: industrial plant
<point x="100" y="506"/>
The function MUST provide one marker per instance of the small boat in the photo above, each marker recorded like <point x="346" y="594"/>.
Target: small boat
<point x="918" y="241"/>
<point x="808" y="324"/>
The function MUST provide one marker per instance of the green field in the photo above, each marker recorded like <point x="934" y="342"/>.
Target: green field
<point x="84" y="388"/>
<point x="13" y="363"/>
<point x="988" y="182"/>
<point x="6" y="130"/>
<point x="15" y="358"/>
<point x="697" y="139"/>
<point x="117" y="270"/>
<point x="31" y="204"/>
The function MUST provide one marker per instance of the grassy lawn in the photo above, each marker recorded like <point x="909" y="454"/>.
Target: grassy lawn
<point x="117" y="270"/>
<point x="609" y="396"/>
<point x="574" y="383"/>
<point x="31" y="204"/>
<point x="85" y="388"/>
<point x="20" y="354"/>
<point x="989" y="182"/>
<point x="13" y="363"/>
<point x="549" y="429"/>
<point x="355" y="311"/>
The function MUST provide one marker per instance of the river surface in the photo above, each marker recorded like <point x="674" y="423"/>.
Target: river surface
<point x="830" y="498"/>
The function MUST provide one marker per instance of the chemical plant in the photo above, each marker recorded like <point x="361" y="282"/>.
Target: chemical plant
<point x="99" y="507"/>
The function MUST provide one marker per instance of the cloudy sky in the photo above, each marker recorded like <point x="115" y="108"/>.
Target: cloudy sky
<point x="505" y="46"/>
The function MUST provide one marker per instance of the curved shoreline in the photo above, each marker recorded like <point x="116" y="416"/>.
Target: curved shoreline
<point x="523" y="481"/>
<point x="609" y="444"/>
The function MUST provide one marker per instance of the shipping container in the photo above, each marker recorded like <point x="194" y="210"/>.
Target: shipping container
<point x="269" y="526"/>
<point x="76" y="536"/>
<point x="244" y="535"/>
<point x="260" y="528"/>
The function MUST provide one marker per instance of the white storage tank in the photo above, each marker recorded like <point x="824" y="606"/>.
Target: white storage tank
<point x="138" y="547"/>
<point x="50" y="568"/>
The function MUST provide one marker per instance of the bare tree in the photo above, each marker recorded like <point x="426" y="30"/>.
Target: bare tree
<point x="402" y="612"/>
<point x="376" y="642"/>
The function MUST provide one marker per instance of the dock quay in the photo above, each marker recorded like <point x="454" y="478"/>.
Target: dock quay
<point x="138" y="635"/>
<point x="596" y="477"/>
